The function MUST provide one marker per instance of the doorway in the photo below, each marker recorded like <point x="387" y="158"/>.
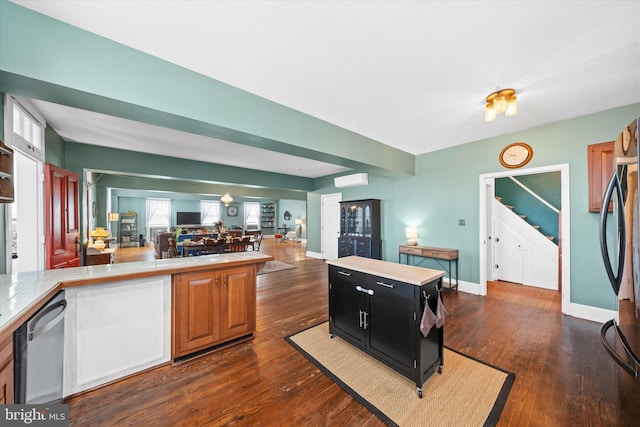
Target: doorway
<point x="24" y="218"/>
<point x="487" y="191"/>
<point x="26" y="251"/>
<point x="330" y="207"/>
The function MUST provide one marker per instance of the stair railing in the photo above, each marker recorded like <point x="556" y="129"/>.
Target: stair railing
<point x="528" y="190"/>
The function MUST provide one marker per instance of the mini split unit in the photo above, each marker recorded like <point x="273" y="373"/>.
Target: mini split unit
<point x="351" y="180"/>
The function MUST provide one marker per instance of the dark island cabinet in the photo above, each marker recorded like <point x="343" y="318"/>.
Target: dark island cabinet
<point x="381" y="316"/>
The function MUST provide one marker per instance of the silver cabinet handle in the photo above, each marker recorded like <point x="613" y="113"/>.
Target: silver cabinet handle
<point x="385" y="285"/>
<point x="366" y="291"/>
<point x="344" y="274"/>
<point x="365" y="319"/>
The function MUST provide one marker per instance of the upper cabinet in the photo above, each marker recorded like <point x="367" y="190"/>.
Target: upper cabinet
<point x="6" y="174"/>
<point x="600" y="169"/>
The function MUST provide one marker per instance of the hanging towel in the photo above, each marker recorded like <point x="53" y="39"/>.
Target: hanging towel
<point x="428" y="319"/>
<point x="441" y="313"/>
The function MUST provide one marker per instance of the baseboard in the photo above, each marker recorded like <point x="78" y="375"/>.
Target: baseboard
<point x="311" y="254"/>
<point x="468" y="287"/>
<point x="587" y="312"/>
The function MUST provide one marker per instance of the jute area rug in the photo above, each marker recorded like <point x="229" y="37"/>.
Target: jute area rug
<point x="467" y="393"/>
<point x="272" y="266"/>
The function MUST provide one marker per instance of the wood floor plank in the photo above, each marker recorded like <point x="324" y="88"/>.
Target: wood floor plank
<point x="563" y="375"/>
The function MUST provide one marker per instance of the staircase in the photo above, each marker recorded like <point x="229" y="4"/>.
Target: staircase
<point x="521" y="253"/>
<point x="524" y="218"/>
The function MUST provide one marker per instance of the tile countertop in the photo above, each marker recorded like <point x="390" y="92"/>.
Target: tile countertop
<point x="22" y="294"/>
<point x="391" y="270"/>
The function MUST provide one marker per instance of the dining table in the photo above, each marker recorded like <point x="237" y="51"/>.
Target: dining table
<point x="189" y="247"/>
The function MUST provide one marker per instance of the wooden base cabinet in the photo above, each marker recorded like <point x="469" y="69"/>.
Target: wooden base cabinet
<point x="381" y="316"/>
<point x="6" y="372"/>
<point x="212" y="307"/>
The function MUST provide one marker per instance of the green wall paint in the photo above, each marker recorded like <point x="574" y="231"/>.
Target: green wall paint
<point x="102" y="75"/>
<point x="446" y="189"/>
<point x="297" y="209"/>
<point x="440" y="188"/>
<point x="85" y="156"/>
<point x="545" y="185"/>
<point x="54" y="151"/>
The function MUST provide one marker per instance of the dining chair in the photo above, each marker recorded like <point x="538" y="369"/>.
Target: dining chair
<point x="172" y="252"/>
<point x="255" y="243"/>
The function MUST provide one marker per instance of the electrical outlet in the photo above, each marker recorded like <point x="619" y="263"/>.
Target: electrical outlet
<point x="461" y="222"/>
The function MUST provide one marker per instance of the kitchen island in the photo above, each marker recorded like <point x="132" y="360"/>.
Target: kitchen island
<point x="377" y="306"/>
<point x="123" y="318"/>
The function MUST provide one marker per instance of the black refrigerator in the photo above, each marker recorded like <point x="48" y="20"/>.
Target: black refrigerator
<point x="620" y="245"/>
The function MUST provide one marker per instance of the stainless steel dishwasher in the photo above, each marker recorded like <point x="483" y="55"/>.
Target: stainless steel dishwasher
<point x="38" y="354"/>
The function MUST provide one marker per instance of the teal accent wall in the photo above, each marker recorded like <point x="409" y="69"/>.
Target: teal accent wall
<point x="297" y="209"/>
<point x="123" y="200"/>
<point x="164" y="169"/>
<point x="545" y="185"/>
<point x="54" y="147"/>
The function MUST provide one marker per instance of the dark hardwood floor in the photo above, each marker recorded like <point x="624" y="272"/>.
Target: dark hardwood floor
<point x="563" y="375"/>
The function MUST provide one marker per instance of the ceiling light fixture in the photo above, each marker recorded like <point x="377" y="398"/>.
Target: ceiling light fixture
<point x="501" y="101"/>
<point x="226" y="199"/>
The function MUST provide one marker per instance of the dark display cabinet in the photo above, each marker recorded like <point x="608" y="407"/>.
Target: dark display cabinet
<point x="360" y="229"/>
<point x="381" y="316"/>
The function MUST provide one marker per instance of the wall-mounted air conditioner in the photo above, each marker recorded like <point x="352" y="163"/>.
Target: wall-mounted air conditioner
<point x="351" y="180"/>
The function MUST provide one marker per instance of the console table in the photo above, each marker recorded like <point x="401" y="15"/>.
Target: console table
<point x="433" y="253"/>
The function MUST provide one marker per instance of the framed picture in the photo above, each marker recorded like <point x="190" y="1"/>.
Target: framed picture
<point x="232" y="211"/>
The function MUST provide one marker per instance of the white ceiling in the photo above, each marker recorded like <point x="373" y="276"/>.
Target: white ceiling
<point x="410" y="74"/>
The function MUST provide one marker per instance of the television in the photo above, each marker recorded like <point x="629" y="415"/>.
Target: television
<point x="188" y="218"/>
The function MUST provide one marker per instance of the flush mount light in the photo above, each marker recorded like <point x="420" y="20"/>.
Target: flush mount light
<point x="501" y="101"/>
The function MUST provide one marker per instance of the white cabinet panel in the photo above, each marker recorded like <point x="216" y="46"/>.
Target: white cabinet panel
<point x="116" y="329"/>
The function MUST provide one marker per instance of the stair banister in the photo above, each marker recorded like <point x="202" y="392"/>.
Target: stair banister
<point x="528" y="190"/>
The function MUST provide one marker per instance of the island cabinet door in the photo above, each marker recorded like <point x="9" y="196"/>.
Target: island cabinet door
<point x="391" y="322"/>
<point x="196" y="303"/>
<point x="347" y="305"/>
<point x="238" y="301"/>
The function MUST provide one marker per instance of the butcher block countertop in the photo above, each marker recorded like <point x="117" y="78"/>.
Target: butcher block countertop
<point x="22" y="294"/>
<point x="404" y="273"/>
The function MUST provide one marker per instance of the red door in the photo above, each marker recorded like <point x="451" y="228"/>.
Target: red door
<point x="61" y="199"/>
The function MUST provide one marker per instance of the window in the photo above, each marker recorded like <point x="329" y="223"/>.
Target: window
<point x="158" y="215"/>
<point x="27" y="127"/>
<point x="252" y="216"/>
<point x="209" y="212"/>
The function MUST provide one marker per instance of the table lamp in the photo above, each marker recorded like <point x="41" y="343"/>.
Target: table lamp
<point x="98" y="234"/>
<point x="412" y="236"/>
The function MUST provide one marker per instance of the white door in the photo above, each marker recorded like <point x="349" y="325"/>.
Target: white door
<point x="509" y="254"/>
<point x="26" y="243"/>
<point x="330" y="205"/>
<point x="489" y="243"/>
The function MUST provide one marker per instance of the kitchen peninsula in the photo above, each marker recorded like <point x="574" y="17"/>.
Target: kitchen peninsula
<point x="125" y="318"/>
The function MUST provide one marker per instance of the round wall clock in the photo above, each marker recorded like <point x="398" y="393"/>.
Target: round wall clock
<point x="516" y="155"/>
